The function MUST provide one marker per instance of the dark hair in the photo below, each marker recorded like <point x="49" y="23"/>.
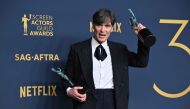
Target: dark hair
<point x="102" y="16"/>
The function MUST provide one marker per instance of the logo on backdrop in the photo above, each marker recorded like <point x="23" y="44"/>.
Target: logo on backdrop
<point x="171" y="95"/>
<point x="176" y="36"/>
<point x="42" y="90"/>
<point x="38" y="25"/>
<point x="36" y="57"/>
<point x="175" y="44"/>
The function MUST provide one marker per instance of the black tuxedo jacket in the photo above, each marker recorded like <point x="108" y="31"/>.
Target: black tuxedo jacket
<point x="79" y="69"/>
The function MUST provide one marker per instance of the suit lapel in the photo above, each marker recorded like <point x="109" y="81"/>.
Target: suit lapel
<point x="85" y="56"/>
<point x="117" y="77"/>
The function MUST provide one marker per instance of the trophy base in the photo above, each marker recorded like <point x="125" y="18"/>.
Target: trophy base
<point x="146" y="37"/>
<point x="83" y="91"/>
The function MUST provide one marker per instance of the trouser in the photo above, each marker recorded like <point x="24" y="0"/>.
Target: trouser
<point x="105" y="99"/>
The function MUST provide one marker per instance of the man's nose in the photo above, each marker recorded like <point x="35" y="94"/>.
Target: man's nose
<point x="102" y="28"/>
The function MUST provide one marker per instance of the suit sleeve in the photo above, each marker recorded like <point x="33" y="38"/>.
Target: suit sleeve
<point x="139" y="59"/>
<point x="69" y="67"/>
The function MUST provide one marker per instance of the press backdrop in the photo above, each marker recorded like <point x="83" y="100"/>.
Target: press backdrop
<point x="35" y="36"/>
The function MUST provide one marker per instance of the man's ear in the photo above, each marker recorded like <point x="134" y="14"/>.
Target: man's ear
<point x="93" y="25"/>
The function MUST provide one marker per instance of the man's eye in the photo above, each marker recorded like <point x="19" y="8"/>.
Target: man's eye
<point x="108" y="25"/>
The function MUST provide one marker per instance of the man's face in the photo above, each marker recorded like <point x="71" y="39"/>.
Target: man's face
<point x="102" y="31"/>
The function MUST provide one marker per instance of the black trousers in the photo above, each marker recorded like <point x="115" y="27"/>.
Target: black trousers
<point x="105" y="99"/>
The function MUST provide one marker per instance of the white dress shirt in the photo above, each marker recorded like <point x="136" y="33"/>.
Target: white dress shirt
<point x="102" y="70"/>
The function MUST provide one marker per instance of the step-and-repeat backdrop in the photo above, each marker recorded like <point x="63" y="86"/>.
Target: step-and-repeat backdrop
<point x="35" y="35"/>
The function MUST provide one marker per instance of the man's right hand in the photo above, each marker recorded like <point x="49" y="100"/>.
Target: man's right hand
<point x="74" y="93"/>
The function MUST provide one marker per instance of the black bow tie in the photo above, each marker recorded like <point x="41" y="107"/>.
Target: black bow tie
<point x="100" y="53"/>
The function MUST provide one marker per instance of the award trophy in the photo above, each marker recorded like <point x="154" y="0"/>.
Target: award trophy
<point x="149" y="40"/>
<point x="64" y="76"/>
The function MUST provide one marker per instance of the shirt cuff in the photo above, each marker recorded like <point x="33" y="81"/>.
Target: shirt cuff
<point x="67" y="90"/>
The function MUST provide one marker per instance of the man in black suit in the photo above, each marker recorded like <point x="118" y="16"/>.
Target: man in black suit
<point x="100" y="67"/>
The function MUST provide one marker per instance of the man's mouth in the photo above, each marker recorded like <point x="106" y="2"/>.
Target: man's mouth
<point x="102" y="34"/>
